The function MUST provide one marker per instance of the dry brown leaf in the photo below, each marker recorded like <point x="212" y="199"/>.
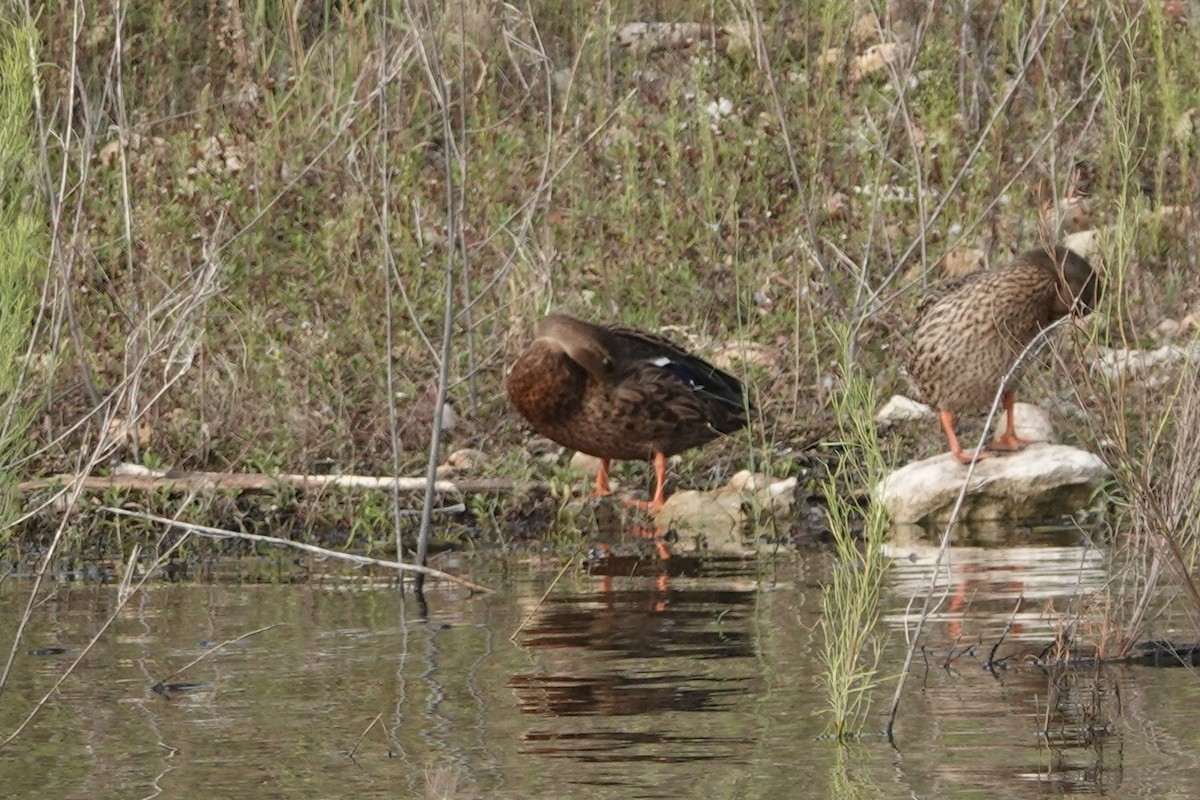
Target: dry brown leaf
<point x="866" y="31"/>
<point x="1190" y="323"/>
<point x="121" y="432"/>
<point x="461" y="461"/>
<point x="1185" y="127"/>
<point x="837" y="205"/>
<point x="108" y="153"/>
<point x="1175" y="220"/>
<point x="829" y="58"/>
<point x="874" y="59"/>
<point x="1175" y="11"/>
<point x="1069" y="215"/>
<point x="1167" y="328"/>
<point x="917" y="134"/>
<point x="730" y="354"/>
<point x="466" y="458"/>
<point x="740" y="38"/>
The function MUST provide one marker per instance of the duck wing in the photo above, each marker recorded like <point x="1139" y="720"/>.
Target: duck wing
<point x="633" y="348"/>
<point x="943" y="289"/>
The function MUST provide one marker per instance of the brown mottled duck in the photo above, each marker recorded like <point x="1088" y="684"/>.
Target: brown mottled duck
<point x="969" y="332"/>
<point x="620" y="393"/>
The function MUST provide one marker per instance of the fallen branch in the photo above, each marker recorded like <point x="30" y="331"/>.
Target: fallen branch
<point x="221" y="533"/>
<point x="189" y="481"/>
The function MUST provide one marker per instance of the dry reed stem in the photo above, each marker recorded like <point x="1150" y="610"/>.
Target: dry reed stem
<point x="363" y="735"/>
<point x="545" y="594"/>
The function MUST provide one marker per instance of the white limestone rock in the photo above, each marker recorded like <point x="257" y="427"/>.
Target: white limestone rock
<point x="901" y="409"/>
<point x="584" y="464"/>
<point x="1043" y="480"/>
<point x="1149" y="368"/>
<point x="1031" y="423"/>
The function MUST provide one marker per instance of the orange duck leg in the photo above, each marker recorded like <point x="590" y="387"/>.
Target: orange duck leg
<point x="965" y="456"/>
<point x="655" y="504"/>
<point x="602" y="487"/>
<point x="1009" y="441"/>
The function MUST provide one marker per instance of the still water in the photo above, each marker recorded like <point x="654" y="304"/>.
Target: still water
<point x="642" y="679"/>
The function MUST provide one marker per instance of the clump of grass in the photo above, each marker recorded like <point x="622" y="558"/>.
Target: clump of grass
<point x="850" y="600"/>
<point x="22" y="245"/>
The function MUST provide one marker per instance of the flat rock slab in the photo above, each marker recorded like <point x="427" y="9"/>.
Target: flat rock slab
<point x="1043" y="480"/>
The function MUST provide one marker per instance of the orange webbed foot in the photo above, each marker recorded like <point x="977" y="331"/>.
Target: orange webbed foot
<point x="1011" y="443"/>
<point x="967" y="456"/>
<point x="646" y="505"/>
<point x="602" y="488"/>
<point x="655" y="503"/>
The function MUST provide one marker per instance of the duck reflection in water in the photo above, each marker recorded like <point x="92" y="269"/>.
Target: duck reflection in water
<point x="636" y="644"/>
<point x="606" y="565"/>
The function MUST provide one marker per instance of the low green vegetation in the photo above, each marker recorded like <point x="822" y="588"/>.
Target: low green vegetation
<point x="752" y="186"/>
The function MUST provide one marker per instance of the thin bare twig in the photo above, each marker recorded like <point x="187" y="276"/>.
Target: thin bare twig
<point x="363" y="735"/>
<point x="1012" y="618"/>
<point x="440" y="86"/>
<point x="385" y="232"/>
<point x="135" y="345"/>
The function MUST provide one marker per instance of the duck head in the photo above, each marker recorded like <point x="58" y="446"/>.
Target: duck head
<point x="1080" y="288"/>
<point x="581" y="341"/>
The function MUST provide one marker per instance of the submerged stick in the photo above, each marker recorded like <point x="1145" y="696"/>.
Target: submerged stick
<point x="363" y="735"/>
<point x="221" y="533"/>
<point x="990" y="665"/>
<point x="546" y="594"/>
<point x="162" y="683"/>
